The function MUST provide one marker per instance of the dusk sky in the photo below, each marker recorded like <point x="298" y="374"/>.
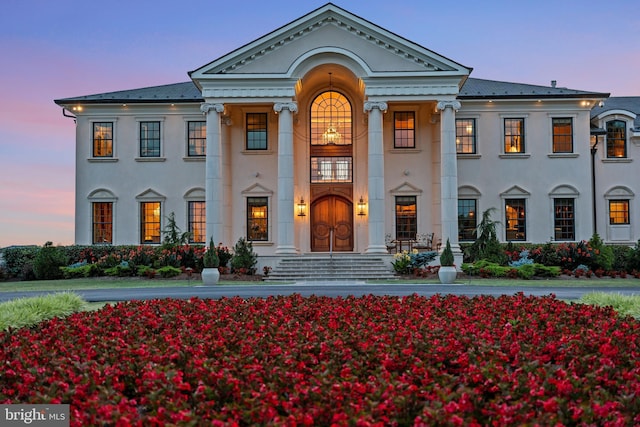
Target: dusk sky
<point x="65" y="48"/>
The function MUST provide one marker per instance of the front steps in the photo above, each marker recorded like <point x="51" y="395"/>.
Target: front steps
<point x="314" y="267"/>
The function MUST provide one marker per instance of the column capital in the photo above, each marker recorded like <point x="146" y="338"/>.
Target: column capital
<point x="291" y="106"/>
<point x="454" y="105"/>
<point x="380" y="105"/>
<point x="205" y="107"/>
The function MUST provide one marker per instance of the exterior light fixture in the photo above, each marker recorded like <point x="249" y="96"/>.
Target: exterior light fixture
<point x="362" y="207"/>
<point x="302" y="207"/>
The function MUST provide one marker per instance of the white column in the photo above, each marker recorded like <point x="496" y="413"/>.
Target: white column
<point x="449" y="174"/>
<point x="285" y="177"/>
<point x="376" y="178"/>
<point x="213" y="172"/>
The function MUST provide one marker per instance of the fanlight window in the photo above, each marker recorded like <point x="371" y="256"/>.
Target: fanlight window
<point x="331" y="119"/>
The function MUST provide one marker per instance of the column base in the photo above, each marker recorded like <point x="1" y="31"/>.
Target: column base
<point x="376" y="249"/>
<point x="286" y="250"/>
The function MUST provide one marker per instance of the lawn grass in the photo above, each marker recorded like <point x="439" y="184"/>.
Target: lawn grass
<point x="138" y="282"/>
<point x="106" y="283"/>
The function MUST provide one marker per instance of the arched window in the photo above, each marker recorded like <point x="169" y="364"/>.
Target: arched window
<point x="616" y="139"/>
<point x="331" y="119"/>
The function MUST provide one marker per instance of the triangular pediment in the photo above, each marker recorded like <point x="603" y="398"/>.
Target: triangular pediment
<point x="257" y="190"/>
<point x="406" y="188"/>
<point x="150" y="194"/>
<point x="333" y="35"/>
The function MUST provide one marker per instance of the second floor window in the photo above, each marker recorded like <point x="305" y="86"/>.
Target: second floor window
<point x="331" y="169"/>
<point x="103" y="139"/>
<point x="616" y="139"/>
<point x="149" y="139"/>
<point x="196" y="139"/>
<point x="514" y="135"/>
<point x="562" y="135"/>
<point x="256" y="131"/>
<point x="404" y="129"/>
<point x="466" y="136"/>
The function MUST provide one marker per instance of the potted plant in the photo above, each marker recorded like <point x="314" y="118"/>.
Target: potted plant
<point x="447" y="272"/>
<point x="211" y="262"/>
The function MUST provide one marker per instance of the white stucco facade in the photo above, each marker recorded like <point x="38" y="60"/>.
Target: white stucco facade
<point x="379" y="74"/>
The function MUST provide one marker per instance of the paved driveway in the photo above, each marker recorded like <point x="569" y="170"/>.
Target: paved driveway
<point x="331" y="289"/>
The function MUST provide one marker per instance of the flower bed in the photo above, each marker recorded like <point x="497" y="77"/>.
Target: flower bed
<point x="452" y="360"/>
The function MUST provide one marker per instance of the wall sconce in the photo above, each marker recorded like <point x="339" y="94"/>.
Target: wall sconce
<point x="362" y="207"/>
<point x="302" y="207"/>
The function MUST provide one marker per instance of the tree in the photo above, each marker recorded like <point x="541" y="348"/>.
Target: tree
<point x="172" y="234"/>
<point x="487" y="246"/>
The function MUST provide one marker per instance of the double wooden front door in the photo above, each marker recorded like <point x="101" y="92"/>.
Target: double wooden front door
<point x="331" y="224"/>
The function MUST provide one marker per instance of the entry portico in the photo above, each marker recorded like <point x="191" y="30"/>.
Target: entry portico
<point x="306" y="72"/>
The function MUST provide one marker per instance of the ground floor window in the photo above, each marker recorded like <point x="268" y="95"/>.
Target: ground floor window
<point x="257" y="218"/>
<point x="516" y="224"/>
<point x="406" y="218"/>
<point x="564" y="219"/>
<point x="467" y="219"/>
<point x="102" y="222"/>
<point x="197" y="222"/>
<point x="618" y="211"/>
<point x="150" y="222"/>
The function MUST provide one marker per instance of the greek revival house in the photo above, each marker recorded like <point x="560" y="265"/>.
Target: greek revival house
<point x="331" y="134"/>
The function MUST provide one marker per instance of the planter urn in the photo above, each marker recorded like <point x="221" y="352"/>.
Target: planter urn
<point x="447" y="275"/>
<point x="210" y="276"/>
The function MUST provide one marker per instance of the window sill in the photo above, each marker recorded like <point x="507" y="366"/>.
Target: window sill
<point x="562" y="155"/>
<point x="102" y="159"/>
<point x="194" y="158"/>
<point x="469" y="156"/>
<point x="515" y="156"/>
<point x="257" y="152"/>
<point x="405" y="150"/>
<point x="150" y="159"/>
<point x="617" y="160"/>
<point x="261" y="243"/>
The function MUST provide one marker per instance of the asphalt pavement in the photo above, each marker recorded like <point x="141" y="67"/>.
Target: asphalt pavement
<point x="330" y="289"/>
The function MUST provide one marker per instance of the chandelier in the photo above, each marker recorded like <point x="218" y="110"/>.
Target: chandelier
<point x="331" y="135"/>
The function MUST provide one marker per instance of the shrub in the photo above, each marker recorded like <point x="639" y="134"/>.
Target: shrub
<point x="80" y="270"/>
<point x="621" y="255"/>
<point x="48" y="261"/>
<point x="446" y="258"/>
<point x="169" y="271"/>
<point x="602" y="254"/>
<point x="19" y="261"/>
<point x="633" y="258"/>
<point x="210" y="258"/>
<point x="243" y="257"/>
<point x="147" y="271"/>
<point x="25" y="312"/>
<point x="526" y="271"/>
<point x="120" y="270"/>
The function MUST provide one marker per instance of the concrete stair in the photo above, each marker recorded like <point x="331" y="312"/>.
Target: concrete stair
<point x="314" y="267"/>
